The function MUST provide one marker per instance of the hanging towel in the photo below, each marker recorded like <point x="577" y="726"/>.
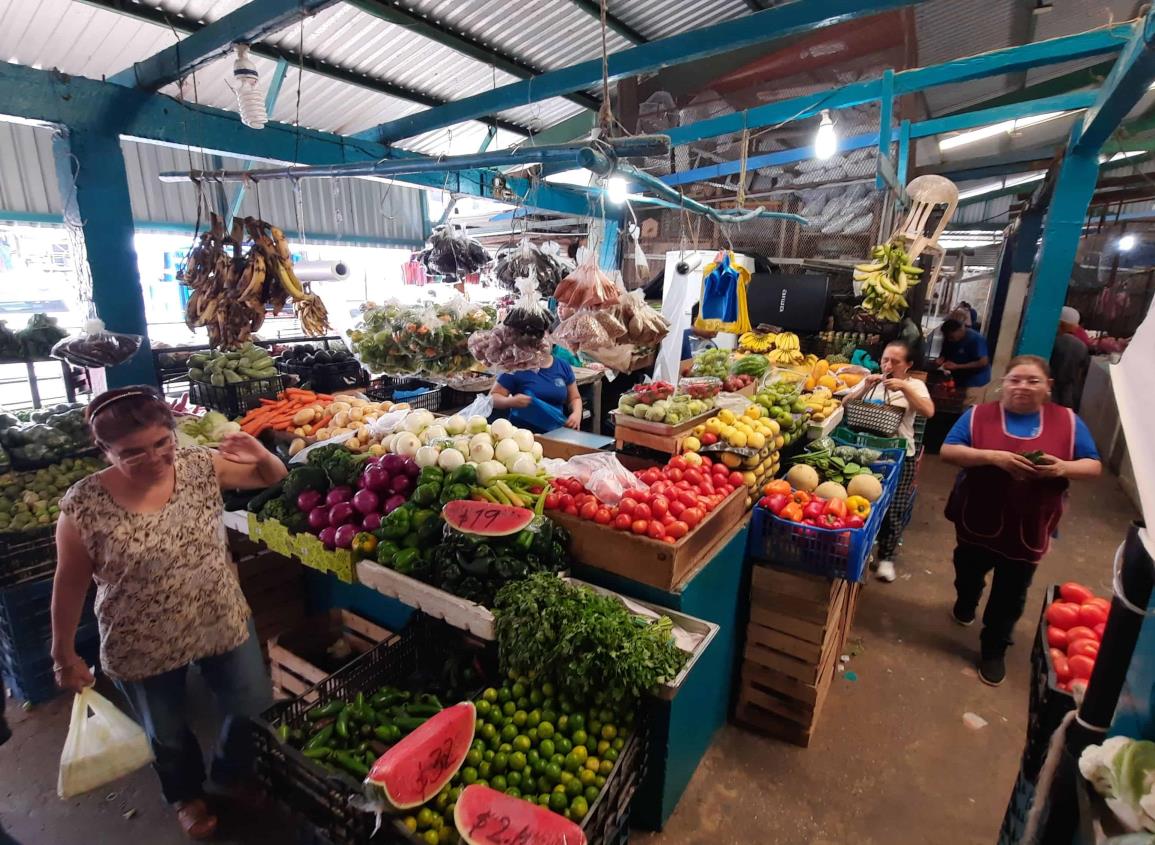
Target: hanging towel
<point x="723" y="307"/>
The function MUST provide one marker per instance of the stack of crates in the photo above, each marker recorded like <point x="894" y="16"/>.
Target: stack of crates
<point x="27" y="563"/>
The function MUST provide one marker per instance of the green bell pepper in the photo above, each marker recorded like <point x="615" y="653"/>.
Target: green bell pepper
<point x="386" y="551"/>
<point x="405" y="560"/>
<point x="425" y="494"/>
<point x="396" y="525"/>
<point x="430" y="475"/>
<point x="464" y="474"/>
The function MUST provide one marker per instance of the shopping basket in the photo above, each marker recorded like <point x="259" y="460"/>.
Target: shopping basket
<point x="877" y="418"/>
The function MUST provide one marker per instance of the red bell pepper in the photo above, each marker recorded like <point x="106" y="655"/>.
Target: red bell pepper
<point x="829" y="520"/>
<point x="854" y="521"/>
<point x="814" y="509"/>
<point x="837" y="507"/>
<point x="776" y="502"/>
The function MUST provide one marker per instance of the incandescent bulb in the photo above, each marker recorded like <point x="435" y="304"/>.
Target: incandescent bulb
<point x="1126" y="243"/>
<point x="826" y="141"/>
<point x="616" y="190"/>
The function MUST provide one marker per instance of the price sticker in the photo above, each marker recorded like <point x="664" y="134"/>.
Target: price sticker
<point x="485" y="518"/>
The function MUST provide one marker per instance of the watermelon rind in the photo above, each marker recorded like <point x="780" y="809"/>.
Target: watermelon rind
<point x="415" y="769"/>
<point x="498" y="521"/>
<point x="484" y="815"/>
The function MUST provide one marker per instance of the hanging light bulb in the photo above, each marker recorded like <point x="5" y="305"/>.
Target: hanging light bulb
<point x="826" y="141"/>
<point x="250" y="100"/>
<point x="1127" y="243"/>
<point x="616" y="190"/>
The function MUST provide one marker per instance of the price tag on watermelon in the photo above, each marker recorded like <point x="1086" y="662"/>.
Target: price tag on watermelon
<point x="483" y="815"/>
<point x="485" y="519"/>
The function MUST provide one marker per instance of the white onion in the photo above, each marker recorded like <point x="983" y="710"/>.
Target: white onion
<point x="524" y="438"/>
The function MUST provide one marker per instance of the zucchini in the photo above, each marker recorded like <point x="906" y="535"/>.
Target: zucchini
<point x="267" y="495"/>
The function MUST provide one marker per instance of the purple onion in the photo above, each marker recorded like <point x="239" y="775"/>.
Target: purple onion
<point x="308" y="500"/>
<point x="392" y="463"/>
<point x="376" y="479"/>
<point x="392" y="503"/>
<point x="371" y="522"/>
<point x="400" y="485"/>
<point x="410" y="467"/>
<point x="319" y="518"/>
<point x="343" y="536"/>
<point x="366" y="501"/>
<point x="340" y="513"/>
<point x="343" y="493"/>
<point x="328" y="537"/>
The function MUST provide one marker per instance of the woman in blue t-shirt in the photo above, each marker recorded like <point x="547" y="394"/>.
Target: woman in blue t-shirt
<point x="554" y="384"/>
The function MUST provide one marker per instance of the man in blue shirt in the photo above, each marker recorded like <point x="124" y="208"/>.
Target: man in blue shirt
<point x="966" y="357"/>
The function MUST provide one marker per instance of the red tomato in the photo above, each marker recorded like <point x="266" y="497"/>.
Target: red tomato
<point x="1076" y="592"/>
<point x="643" y="511"/>
<point x="639" y="526"/>
<point x="551" y="501"/>
<point x="566" y="501"/>
<point x="570" y="510"/>
<point x="706" y="462"/>
<point x="1081" y="666"/>
<point x="1102" y="602"/>
<point x="1056" y="637"/>
<point x="656" y="531"/>
<point x="677" y="529"/>
<point x="1092" y="615"/>
<point x="705" y="490"/>
<point x="642" y="496"/>
<point x="627" y="505"/>
<point x="669" y="539"/>
<point x="694" y="476"/>
<point x="660" y="506"/>
<point x="1080" y="632"/>
<point x="1065" y="686"/>
<point x="668" y="520"/>
<point x="1090" y="648"/>
<point x="707" y="504"/>
<point x="677" y="506"/>
<point x="1098" y="629"/>
<point x="1063" y="614"/>
<point x="622" y="522"/>
<point x="603" y="516"/>
<point x="687" y="499"/>
<point x="692" y="516"/>
<point x="677" y="462"/>
<point x="588" y="510"/>
<point x="675" y="475"/>
<point x="1062" y="667"/>
<point x="651" y="476"/>
<point x="720" y="470"/>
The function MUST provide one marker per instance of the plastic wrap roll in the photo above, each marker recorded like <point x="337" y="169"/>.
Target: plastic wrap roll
<point x="321" y="271"/>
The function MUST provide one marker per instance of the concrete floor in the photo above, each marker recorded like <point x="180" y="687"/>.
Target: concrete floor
<point x="891" y="762"/>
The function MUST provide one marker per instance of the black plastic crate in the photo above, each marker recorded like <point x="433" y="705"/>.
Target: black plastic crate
<point x="1048" y="704"/>
<point x="27" y="556"/>
<point x="326" y="378"/>
<point x="234" y="400"/>
<point x="26" y="619"/>
<point x="429" y="396"/>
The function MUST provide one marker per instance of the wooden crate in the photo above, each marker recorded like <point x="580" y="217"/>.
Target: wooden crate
<point x="798" y="627"/>
<point x="654" y="562"/>
<point x="292" y="674"/>
<point x="273" y="585"/>
<point x="663" y="438"/>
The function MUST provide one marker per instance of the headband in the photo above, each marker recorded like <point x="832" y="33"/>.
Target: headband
<point x="100" y="404"/>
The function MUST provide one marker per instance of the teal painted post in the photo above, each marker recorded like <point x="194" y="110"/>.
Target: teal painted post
<point x="885" y="116"/>
<point x="609" y="257"/>
<point x="1061" y="236"/>
<point x="94" y="192"/>
<point x="903" y="152"/>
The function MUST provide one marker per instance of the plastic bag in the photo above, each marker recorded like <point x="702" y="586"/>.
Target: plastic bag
<point x="452" y="253"/>
<point x="644" y="326"/>
<point x="520" y="261"/>
<point x="587" y="286"/>
<point x="602" y="474"/>
<point x="481" y="406"/>
<point x="102" y="745"/>
<point x="588" y="329"/>
<point x="96" y="347"/>
<point x="429" y="339"/>
<point x="529" y="316"/>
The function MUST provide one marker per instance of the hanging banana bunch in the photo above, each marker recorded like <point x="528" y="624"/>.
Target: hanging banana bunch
<point x="885" y="281"/>
<point x="231" y="291"/>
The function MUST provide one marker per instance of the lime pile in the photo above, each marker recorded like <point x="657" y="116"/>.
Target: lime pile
<point x="534" y="744"/>
<point x="31" y="500"/>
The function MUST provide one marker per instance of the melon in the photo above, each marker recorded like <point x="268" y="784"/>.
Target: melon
<point x="485" y="519"/>
<point x="484" y="815"/>
<point x="803" y="477"/>
<point x="415" y="769"/>
<point x="866" y="486"/>
<point x="830" y="490"/>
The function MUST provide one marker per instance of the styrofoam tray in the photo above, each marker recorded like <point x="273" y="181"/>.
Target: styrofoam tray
<point x="823" y="429"/>
<point x="454" y="610"/>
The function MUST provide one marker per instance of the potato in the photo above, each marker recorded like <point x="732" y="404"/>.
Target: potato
<point x="363" y="434"/>
<point x="376" y="450"/>
<point x="340" y="419"/>
<point x="307" y="429"/>
<point x="299" y="431"/>
<point x="337" y="407"/>
<point x="305" y="415"/>
<point x="296" y="446"/>
<point x="356" y="414"/>
<point x="353" y="444"/>
<point x="322" y="433"/>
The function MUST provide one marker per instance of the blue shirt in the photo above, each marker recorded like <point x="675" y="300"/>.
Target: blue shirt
<point x="549" y="384"/>
<point x="687" y="352"/>
<point x="1023" y="425"/>
<point x="971" y="348"/>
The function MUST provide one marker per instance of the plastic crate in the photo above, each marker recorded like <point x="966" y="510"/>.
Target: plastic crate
<point x="829" y="552"/>
<point x="429" y="399"/>
<point x="1047" y="704"/>
<point x="26" y="619"/>
<point x="235" y="400"/>
<point x="327" y="378"/>
<point x="34" y="681"/>
<point x="27" y="556"/>
<point x="861" y="440"/>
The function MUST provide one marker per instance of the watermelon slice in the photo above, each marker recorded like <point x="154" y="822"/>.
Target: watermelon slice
<point x="484" y="815"/>
<point x="414" y="770"/>
<point x="486" y="519"/>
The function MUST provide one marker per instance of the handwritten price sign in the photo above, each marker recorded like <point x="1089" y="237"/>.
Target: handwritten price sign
<point x="491" y="520"/>
<point x="485" y="816"/>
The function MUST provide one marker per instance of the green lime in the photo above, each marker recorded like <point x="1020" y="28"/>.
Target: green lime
<point x="483" y="708"/>
<point x="547" y="689"/>
<point x="544" y="784"/>
<point x="547" y="715"/>
<point x="454" y="794"/>
<point x="523" y="703"/>
<point x="609" y="732"/>
<point x="553" y="772"/>
<point x="605" y="767"/>
<point x="599" y="781"/>
<point x="587" y="777"/>
<point x="574" y="788"/>
<point x="485" y="770"/>
<point x="431" y="837"/>
<point x="437" y="823"/>
<point x="539" y="766"/>
<point x="522" y="743"/>
<point x="605" y="715"/>
<point x="559" y="788"/>
<point x="577" y="722"/>
<point x="500" y="762"/>
<point x="618" y="744"/>
<point x="513" y="778"/>
<point x="532" y="734"/>
<point x="579" y="737"/>
<point x="490" y="695"/>
<point x="579" y="807"/>
<point x="603" y="747"/>
<point x="544" y="730"/>
<point x="473" y="758"/>
<point x="468" y="775"/>
<point x="517" y="761"/>
<point x="543" y="799"/>
<point x="495" y="742"/>
<point x="488" y="732"/>
<point x="559" y="759"/>
<point x="610" y="755"/>
<point x="533" y="718"/>
<point x="591" y="794"/>
<point x="580" y="753"/>
<point x="572" y="763"/>
<point x="520" y="717"/>
<point x="488" y="755"/>
<point x="546" y="748"/>
<point x="441" y="800"/>
<point x="518" y="690"/>
<point x="503" y="695"/>
<point x="532" y="756"/>
<point x="513" y="792"/>
<point x="498" y="783"/>
<point x="535" y="697"/>
<point x="594" y="727"/>
<point x="446" y="834"/>
<point x="424" y="818"/>
<point x="557" y="802"/>
<point x="563" y="723"/>
<point x="504" y="748"/>
<point x="410" y="823"/>
<point x="510" y="731"/>
<point x="592" y="763"/>
<point x="478" y="743"/>
<point x="508" y="708"/>
<point x="564" y="746"/>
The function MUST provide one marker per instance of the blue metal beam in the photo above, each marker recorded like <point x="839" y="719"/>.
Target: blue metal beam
<point x="1128" y="81"/>
<point x="903" y="152"/>
<point x="253" y="21"/>
<point x="275" y="83"/>
<point x="885" y="116"/>
<point x="1052" y="51"/>
<point x="772" y="24"/>
<point x="55" y="98"/>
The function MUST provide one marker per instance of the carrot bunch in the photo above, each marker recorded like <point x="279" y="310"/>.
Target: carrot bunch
<point x="279" y="413"/>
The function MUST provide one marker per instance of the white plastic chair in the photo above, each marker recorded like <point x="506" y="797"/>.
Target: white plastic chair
<point x="926" y="193"/>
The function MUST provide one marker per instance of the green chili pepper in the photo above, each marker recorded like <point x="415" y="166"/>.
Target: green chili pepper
<point x="388" y="733"/>
<point x="330" y="709"/>
<point x="343" y="723"/>
<point x="410" y="723"/>
<point x="320" y="738"/>
<point x="283" y="732"/>
<point x="318" y="753"/>
<point x="351" y="763"/>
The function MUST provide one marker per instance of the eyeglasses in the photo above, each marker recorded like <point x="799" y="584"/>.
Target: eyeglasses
<point x="135" y="457"/>
<point x="1030" y="381"/>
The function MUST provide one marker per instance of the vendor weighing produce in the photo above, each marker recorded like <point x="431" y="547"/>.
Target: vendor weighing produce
<point x="148" y="531"/>
<point x="966" y="357"/>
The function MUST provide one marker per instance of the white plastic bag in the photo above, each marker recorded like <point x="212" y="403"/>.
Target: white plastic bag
<point x="481" y="406"/>
<point x="102" y="745"/>
<point x="602" y="474"/>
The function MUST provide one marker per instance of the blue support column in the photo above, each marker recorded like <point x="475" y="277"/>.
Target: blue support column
<point x="608" y="255"/>
<point x="1064" y="227"/>
<point x="885" y="116"/>
<point x="94" y="192"/>
<point x="903" y="152"/>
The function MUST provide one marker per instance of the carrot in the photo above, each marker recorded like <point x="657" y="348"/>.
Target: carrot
<point x="267" y="402"/>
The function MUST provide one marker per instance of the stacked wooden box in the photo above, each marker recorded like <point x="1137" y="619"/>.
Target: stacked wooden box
<point x="338" y="631"/>
<point x="798" y="626"/>
<point x="274" y="586"/>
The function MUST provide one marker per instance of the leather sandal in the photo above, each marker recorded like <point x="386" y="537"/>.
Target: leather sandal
<point x="195" y="819"/>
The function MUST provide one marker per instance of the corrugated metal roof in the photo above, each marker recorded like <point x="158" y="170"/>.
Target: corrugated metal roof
<point x="333" y="209"/>
<point x="661" y="18"/>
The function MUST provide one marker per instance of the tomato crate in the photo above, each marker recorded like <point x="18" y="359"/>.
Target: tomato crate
<point x="829" y="552"/>
<point x="235" y="400"/>
<point x="27" y="556"/>
<point x="1047" y="704"/>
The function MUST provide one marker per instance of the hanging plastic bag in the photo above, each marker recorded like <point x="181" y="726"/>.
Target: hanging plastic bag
<point x="95" y="346"/>
<point x="644" y="325"/>
<point x="723" y="306"/>
<point x="538" y="416"/>
<point x="452" y="253"/>
<point x="102" y="745"/>
<point x="481" y="406"/>
<point x="587" y="286"/>
<point x="525" y="259"/>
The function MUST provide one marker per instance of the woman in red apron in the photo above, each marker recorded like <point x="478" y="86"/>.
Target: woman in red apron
<point x="1005" y="506"/>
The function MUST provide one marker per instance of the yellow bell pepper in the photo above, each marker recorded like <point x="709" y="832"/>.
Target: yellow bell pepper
<point x="858" y="506"/>
<point x="364" y="544"/>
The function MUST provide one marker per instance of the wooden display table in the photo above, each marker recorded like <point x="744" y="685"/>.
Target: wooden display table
<point x="798" y="626"/>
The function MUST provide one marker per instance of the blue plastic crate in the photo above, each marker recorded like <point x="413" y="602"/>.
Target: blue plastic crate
<point x="33" y="680"/>
<point x="829" y="552"/>
<point x="26" y="619"/>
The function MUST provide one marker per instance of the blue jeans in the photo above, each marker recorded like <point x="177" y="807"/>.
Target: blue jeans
<point x="241" y="686"/>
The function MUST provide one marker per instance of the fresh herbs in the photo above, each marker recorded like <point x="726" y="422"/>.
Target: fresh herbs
<point x="590" y="643"/>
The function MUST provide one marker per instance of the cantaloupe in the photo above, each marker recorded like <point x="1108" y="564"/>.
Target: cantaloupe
<point x="866" y="486"/>
<point x="830" y="490"/>
<point x="803" y="477"/>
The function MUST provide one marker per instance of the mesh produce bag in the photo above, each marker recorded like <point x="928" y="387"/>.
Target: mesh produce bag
<point x="95" y="346"/>
<point x="587" y="286"/>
